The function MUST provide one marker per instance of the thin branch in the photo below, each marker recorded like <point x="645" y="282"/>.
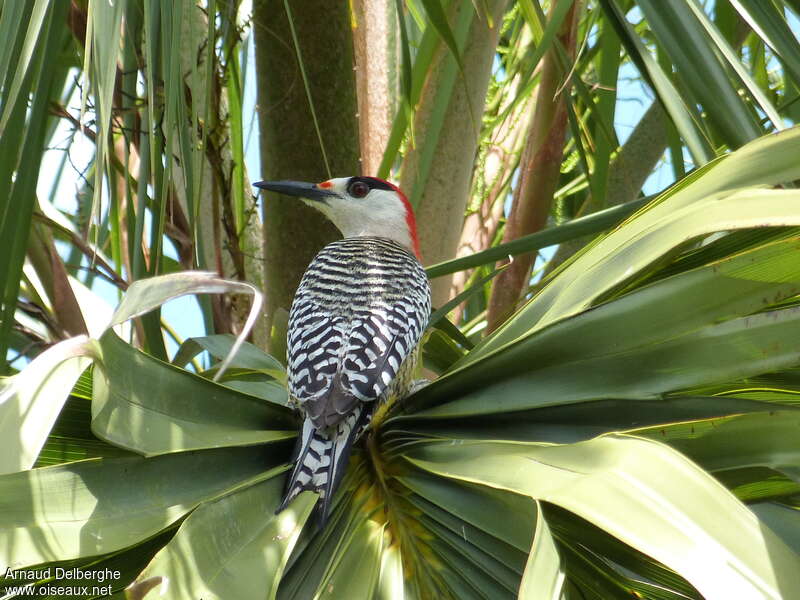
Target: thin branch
<point x="109" y="273"/>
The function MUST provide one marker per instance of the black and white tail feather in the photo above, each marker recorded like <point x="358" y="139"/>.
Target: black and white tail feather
<point x="322" y="458"/>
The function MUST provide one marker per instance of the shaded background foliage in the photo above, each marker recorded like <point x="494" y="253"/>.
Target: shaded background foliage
<point x="466" y="104"/>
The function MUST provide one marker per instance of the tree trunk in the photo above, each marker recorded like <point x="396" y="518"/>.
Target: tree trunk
<point x="500" y="161"/>
<point x="540" y="168"/>
<point x="376" y="54"/>
<point x="633" y="164"/>
<point x="290" y="146"/>
<point x="438" y="171"/>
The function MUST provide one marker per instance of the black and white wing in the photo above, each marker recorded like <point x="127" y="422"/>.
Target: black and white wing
<point x="361" y="309"/>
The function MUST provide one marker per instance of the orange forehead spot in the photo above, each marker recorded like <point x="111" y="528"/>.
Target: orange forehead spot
<point x="325" y="184"/>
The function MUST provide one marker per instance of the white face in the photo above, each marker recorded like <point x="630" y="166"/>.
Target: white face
<point x="378" y="212"/>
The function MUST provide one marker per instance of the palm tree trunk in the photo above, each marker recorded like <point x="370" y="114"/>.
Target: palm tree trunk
<point x="540" y="168"/>
<point x="291" y="146"/>
<point x="439" y="186"/>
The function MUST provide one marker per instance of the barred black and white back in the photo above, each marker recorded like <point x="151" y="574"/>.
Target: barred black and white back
<point x="358" y="315"/>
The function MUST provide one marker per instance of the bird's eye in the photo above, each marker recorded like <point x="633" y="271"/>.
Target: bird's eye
<point x="358" y="189"/>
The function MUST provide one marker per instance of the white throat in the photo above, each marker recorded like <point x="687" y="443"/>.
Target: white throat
<point x="382" y="214"/>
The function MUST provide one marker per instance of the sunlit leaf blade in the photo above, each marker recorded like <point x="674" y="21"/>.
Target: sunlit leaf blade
<point x="390" y="581"/>
<point x="695" y="58"/>
<point x="233" y="546"/>
<point x="102" y="42"/>
<point x="315" y="555"/>
<point x="535" y="19"/>
<point x="357" y="565"/>
<point x="219" y="346"/>
<point x="475" y="288"/>
<point x="173" y="410"/>
<point x="438" y="19"/>
<point x="257" y="384"/>
<point x="470" y="562"/>
<point x="440" y="351"/>
<point x="438" y="108"/>
<point x="770" y="24"/>
<point x="31" y="401"/>
<point x="544" y="574"/>
<point x="71" y="437"/>
<point x="99" y="506"/>
<point x="714" y="341"/>
<point x="733" y="60"/>
<point x="620" y="483"/>
<point x="405" y="50"/>
<point x="587" y="550"/>
<point x="10" y="18"/>
<point x="736" y="442"/>
<point x="147" y="294"/>
<point x="22" y="136"/>
<point x="404" y="117"/>
<point x="741" y="347"/>
<point x="477" y="507"/>
<point x="649" y="68"/>
<point x="33" y="35"/>
<point x="541" y="239"/>
<point x="572" y="422"/>
<point x="113" y="571"/>
<point x="681" y="226"/>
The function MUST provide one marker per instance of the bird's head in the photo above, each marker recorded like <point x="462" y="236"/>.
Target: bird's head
<point x="358" y="206"/>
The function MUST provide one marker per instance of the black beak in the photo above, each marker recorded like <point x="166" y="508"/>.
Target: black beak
<point x="295" y="188"/>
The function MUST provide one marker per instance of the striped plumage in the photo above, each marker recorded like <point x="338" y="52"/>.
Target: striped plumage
<point x="355" y="323"/>
<point x="354" y="326"/>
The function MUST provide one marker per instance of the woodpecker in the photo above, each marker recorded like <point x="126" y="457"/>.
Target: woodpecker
<point x="355" y="324"/>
